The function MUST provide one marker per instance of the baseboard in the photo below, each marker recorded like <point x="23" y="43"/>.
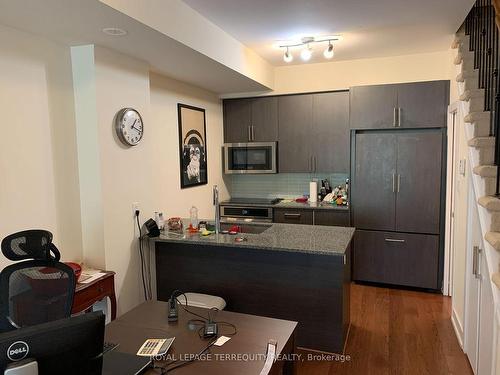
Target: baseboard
<point x="457" y="327"/>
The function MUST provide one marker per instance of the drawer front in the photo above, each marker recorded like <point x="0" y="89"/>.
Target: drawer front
<point x="287" y="216"/>
<point x="331" y="218"/>
<point x="396" y="258"/>
<point x="86" y="297"/>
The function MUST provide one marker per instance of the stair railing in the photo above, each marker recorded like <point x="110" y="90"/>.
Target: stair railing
<point x="480" y="25"/>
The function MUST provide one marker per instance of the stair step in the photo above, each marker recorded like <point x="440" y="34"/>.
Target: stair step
<point x="468" y="75"/>
<point x="474" y="93"/>
<point x="496" y="279"/>
<point x="493" y="239"/>
<point x="477" y="117"/>
<point x="490" y="203"/>
<point x="480" y="142"/>
<point x="487" y="171"/>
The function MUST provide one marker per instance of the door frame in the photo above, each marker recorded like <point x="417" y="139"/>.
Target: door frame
<point x="454" y="115"/>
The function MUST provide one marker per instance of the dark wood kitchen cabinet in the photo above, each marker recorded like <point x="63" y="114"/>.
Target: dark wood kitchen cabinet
<point x="423" y="104"/>
<point x="397" y="179"/>
<point x="293" y="216"/>
<point x="405" y="105"/>
<point x="332" y="218"/>
<point x="397" y="206"/>
<point x="373" y="107"/>
<point x="251" y="120"/>
<point x="265" y="119"/>
<point x="373" y="181"/>
<point x="396" y="258"/>
<point x="295" y="133"/>
<point x="327" y="217"/>
<point x="314" y="132"/>
<point x="330" y="129"/>
<point x="237" y="120"/>
<point x="418" y="185"/>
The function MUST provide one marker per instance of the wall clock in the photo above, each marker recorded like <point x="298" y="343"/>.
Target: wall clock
<point x="129" y="126"/>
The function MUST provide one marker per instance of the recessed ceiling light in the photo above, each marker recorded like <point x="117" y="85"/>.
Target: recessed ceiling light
<point x="114" y="31"/>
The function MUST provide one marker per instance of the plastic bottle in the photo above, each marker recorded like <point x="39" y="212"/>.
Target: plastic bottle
<point x="193" y="214"/>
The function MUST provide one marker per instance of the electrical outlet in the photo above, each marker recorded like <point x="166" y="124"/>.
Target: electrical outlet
<point x="135" y="207"/>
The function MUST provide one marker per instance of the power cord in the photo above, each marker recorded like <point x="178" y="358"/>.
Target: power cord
<point x="141" y="253"/>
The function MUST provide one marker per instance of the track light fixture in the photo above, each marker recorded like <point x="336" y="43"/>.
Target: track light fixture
<point x="287" y="57"/>
<point x="307" y="51"/>
<point x="328" y="51"/>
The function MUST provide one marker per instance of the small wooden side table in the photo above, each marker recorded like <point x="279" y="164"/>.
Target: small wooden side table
<point x="88" y="294"/>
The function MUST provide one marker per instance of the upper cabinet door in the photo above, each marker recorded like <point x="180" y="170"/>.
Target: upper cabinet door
<point x="373" y="186"/>
<point x="294" y="135"/>
<point x="237" y="120"/>
<point x="419" y="175"/>
<point x="265" y="119"/>
<point x="423" y="104"/>
<point x="373" y="107"/>
<point x="330" y="146"/>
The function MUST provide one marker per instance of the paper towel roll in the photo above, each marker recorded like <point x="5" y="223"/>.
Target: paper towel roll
<point x="313" y="191"/>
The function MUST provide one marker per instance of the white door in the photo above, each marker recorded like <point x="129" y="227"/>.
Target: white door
<point x="486" y="320"/>
<point x="472" y="285"/>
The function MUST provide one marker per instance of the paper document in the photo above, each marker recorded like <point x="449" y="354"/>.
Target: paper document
<point x="89" y="276"/>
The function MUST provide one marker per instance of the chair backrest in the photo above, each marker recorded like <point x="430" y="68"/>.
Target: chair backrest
<point x="34" y="291"/>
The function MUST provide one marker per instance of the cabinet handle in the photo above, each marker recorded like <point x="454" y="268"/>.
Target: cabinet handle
<point x="253" y="133"/>
<point x="315" y="163"/>
<point x="249" y="133"/>
<point x="399" y="183"/>
<point x="399" y="117"/>
<point x="292" y="216"/>
<point x="394" y="240"/>
<point x="394" y="117"/>
<point x="393" y="182"/>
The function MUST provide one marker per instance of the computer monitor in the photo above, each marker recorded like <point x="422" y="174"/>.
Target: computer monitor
<point x="67" y="346"/>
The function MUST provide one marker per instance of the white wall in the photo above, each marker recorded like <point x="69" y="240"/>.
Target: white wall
<point x="37" y="145"/>
<point x="147" y="174"/>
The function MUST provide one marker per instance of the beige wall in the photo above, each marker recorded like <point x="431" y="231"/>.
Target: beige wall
<point x="147" y="174"/>
<point x="37" y="187"/>
<point x="344" y="74"/>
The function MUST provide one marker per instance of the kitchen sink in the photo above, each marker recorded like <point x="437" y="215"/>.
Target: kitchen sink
<point x="247" y="228"/>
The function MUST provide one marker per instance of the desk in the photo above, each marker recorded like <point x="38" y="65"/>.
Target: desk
<point x="149" y="320"/>
<point x="88" y="294"/>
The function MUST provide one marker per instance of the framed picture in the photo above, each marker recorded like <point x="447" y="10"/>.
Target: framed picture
<point x="192" y="145"/>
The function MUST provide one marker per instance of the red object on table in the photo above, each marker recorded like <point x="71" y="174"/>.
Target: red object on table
<point x="77" y="269"/>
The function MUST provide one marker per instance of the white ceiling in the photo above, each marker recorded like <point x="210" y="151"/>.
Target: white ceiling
<point x="370" y="28"/>
<point x="79" y="22"/>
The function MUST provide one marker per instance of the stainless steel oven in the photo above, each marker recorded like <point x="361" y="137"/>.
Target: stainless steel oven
<point x="253" y="157"/>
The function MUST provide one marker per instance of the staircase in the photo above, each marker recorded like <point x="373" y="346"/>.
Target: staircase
<point x="478" y="64"/>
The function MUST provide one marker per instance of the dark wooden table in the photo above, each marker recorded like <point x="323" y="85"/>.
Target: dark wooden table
<point x="149" y="320"/>
<point x="88" y="294"/>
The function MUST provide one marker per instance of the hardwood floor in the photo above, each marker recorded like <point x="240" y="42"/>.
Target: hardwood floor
<point x="396" y="332"/>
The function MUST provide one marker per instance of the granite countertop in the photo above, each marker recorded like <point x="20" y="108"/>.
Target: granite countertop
<point x="311" y="239"/>
<point x="296" y="205"/>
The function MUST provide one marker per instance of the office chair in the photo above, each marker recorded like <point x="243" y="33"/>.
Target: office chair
<point x="38" y="290"/>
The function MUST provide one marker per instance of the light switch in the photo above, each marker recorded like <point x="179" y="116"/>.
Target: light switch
<point x="461" y="166"/>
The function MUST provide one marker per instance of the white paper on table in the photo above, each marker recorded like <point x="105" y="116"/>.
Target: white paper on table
<point x="222" y="340"/>
<point x="86" y="278"/>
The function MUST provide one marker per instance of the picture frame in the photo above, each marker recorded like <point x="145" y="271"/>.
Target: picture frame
<point x="192" y="146"/>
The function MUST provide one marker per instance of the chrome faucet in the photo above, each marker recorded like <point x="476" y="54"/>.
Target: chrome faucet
<point x="217" y="210"/>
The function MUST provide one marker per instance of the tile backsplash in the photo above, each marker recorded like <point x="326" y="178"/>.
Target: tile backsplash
<point x="283" y="185"/>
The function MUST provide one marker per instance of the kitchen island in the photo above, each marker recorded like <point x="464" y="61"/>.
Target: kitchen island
<point x="295" y="272"/>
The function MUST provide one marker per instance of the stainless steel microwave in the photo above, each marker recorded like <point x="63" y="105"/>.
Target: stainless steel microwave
<point x="253" y="157"/>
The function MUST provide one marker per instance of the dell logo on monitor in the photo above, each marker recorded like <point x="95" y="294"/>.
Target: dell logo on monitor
<point x="18" y="351"/>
